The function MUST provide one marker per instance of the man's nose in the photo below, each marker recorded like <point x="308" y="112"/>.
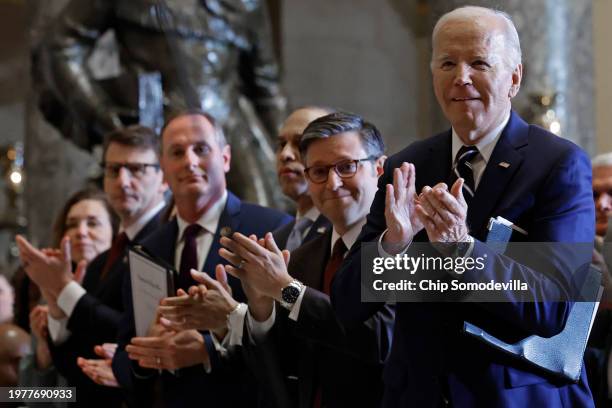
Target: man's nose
<point x="604" y="202"/>
<point x="333" y="180"/>
<point x="123" y="177"/>
<point x="463" y="74"/>
<point x="192" y="159"/>
<point x="287" y="153"/>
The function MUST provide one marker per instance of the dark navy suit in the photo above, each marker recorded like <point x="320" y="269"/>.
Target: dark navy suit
<point x="546" y="190"/>
<point x="94" y="321"/>
<point x="225" y="386"/>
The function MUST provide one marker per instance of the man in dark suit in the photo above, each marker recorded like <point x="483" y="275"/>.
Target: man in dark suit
<point x="134" y="185"/>
<point x="301" y="354"/>
<point x="309" y="223"/>
<point x="536" y="180"/>
<point x="195" y="159"/>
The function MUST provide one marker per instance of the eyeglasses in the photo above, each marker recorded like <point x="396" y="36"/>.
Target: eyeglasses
<point x="138" y="170"/>
<point x="344" y="169"/>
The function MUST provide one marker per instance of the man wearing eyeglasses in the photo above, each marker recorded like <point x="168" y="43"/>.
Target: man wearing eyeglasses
<point x="299" y="351"/>
<point x="134" y="185"/>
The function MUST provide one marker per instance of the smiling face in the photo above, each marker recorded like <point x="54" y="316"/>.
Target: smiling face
<point x="89" y="227"/>
<point x="343" y="201"/>
<point x="472" y="79"/>
<point x="289" y="167"/>
<point x="194" y="164"/>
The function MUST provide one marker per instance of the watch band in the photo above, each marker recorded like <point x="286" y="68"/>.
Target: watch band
<point x="291" y="293"/>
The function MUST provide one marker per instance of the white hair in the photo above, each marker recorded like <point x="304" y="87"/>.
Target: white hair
<point x="602" y="160"/>
<point x="511" y="36"/>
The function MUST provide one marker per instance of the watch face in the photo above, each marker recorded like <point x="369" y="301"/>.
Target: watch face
<point x="290" y="294"/>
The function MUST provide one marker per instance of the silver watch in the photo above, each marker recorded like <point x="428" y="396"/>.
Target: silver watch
<point x="290" y="294"/>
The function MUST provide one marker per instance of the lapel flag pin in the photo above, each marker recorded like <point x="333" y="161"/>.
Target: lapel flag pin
<point x="505" y="165"/>
<point x="226" y="232"/>
<point x="321" y="230"/>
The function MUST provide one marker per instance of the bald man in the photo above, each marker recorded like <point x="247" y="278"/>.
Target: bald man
<point x="14" y="344"/>
<point x="309" y="223"/>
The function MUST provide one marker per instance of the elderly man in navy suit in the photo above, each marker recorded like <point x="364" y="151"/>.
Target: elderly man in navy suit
<point x="195" y="159"/>
<point x="495" y="164"/>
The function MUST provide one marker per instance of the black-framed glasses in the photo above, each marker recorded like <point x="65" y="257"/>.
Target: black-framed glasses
<point x="344" y="169"/>
<point x="137" y="170"/>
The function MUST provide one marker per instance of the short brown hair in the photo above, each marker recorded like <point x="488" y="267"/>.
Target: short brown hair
<point x="137" y="136"/>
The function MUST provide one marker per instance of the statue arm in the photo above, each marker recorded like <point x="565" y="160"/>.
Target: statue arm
<point x="261" y="72"/>
<point x="67" y="47"/>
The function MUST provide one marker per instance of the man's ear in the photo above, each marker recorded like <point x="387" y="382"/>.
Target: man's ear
<point x="380" y="165"/>
<point x="517" y="76"/>
<point x="226" y="151"/>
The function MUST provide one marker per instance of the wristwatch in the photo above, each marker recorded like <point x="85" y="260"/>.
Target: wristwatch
<point x="462" y="247"/>
<point x="290" y="294"/>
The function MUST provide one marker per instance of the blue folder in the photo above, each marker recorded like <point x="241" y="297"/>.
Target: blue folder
<point x="562" y="354"/>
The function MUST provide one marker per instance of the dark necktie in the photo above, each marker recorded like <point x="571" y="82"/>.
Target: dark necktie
<point x="463" y="168"/>
<point x="297" y="233"/>
<point x="116" y="252"/>
<point x="333" y="264"/>
<point x="189" y="256"/>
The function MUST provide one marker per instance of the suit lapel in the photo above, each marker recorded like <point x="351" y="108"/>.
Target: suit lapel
<point x="228" y="224"/>
<point x="164" y="247"/>
<point x="318" y="228"/>
<point x="495" y="177"/>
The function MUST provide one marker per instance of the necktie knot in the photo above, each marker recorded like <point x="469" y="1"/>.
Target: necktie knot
<point x="466" y="154"/>
<point x="296" y="235"/>
<point x="191" y="232"/>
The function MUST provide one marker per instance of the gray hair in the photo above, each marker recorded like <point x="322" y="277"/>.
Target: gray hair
<point x="341" y="122"/>
<point x="511" y="36"/>
<point x="602" y="160"/>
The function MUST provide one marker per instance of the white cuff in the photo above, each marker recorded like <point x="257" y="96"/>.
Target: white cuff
<point x="295" y="309"/>
<point x="259" y="330"/>
<point x="383" y="253"/>
<point x="235" y="323"/>
<point x="58" y="329"/>
<point x="69" y="297"/>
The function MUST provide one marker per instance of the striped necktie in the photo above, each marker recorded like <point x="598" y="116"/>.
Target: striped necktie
<point x="462" y="168"/>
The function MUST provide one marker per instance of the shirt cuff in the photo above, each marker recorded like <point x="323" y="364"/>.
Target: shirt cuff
<point x="259" y="330"/>
<point x="384" y="253"/>
<point x="69" y="297"/>
<point x="235" y="325"/>
<point x="58" y="329"/>
<point x="295" y="309"/>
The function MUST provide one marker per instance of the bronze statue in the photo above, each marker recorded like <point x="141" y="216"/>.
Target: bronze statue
<point x="215" y="55"/>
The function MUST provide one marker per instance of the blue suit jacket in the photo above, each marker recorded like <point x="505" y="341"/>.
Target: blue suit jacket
<point x="547" y="191"/>
<point x="224" y="386"/>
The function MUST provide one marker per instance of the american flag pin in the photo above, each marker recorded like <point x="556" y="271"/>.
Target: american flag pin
<point x="321" y="230"/>
<point x="505" y="165"/>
